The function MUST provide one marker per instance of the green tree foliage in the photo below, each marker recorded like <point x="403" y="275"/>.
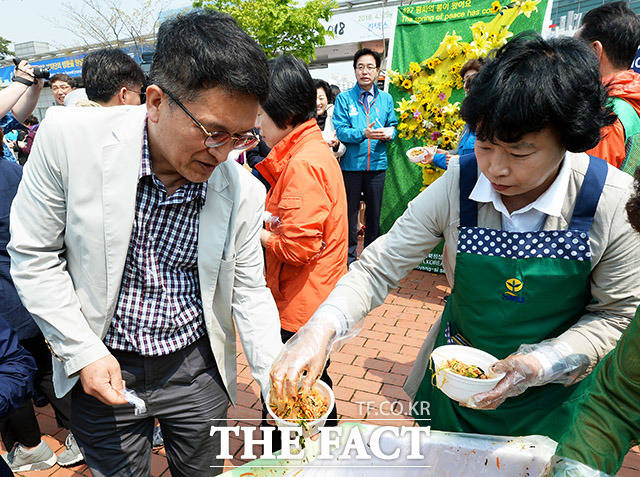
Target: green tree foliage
<point x="4" y="47"/>
<point x="279" y="26"/>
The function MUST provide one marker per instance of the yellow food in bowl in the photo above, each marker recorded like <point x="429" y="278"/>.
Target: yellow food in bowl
<point x="466" y="370"/>
<point x="304" y="407"/>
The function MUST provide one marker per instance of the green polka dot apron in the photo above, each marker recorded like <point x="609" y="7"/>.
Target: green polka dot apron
<point x="512" y="288"/>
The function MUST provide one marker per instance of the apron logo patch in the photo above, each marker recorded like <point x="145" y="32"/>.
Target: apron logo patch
<point x="353" y="111"/>
<point x="514" y="286"/>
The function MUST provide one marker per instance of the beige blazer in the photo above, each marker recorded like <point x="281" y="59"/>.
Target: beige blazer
<point x="434" y="215"/>
<point x="71" y="222"/>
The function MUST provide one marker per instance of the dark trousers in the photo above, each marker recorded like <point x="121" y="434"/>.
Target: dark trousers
<point x="183" y="390"/>
<point x="371" y="185"/>
<point x="21" y="426"/>
<point x="332" y="419"/>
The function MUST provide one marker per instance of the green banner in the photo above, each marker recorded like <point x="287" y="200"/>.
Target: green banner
<point x="432" y="41"/>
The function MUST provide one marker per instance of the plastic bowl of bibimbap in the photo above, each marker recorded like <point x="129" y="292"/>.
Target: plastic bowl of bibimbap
<point x="462" y="371"/>
<point x="309" y="410"/>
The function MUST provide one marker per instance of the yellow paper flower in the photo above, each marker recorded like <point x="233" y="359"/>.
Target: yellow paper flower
<point x="455" y="68"/>
<point x="414" y="67"/>
<point x="528" y="7"/>
<point x="478" y="29"/>
<point x="451" y="41"/>
<point x="406" y="84"/>
<point x="495" y="7"/>
<point x="403" y="105"/>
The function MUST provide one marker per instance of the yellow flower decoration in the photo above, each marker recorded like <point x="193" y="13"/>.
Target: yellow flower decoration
<point x="426" y="113"/>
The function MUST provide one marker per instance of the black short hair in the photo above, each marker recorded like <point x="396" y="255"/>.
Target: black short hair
<point x="366" y="51"/>
<point x="62" y="77"/>
<point x="320" y="83"/>
<point x="532" y="84"/>
<point x="335" y="91"/>
<point x="617" y="28"/>
<point x="206" y="49"/>
<point x="292" y="94"/>
<point x="31" y="120"/>
<point x="107" y="70"/>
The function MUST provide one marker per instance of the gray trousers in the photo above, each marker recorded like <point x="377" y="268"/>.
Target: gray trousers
<point x="183" y="390"/>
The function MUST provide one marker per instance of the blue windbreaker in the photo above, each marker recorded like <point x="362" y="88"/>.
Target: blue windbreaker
<point x="351" y="119"/>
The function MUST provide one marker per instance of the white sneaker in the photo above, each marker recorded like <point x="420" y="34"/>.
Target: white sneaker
<point x="22" y="460"/>
<point x="71" y="455"/>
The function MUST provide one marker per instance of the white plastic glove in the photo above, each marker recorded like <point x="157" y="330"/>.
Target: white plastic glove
<point x="303" y="357"/>
<point x="562" y="467"/>
<point x="550" y="361"/>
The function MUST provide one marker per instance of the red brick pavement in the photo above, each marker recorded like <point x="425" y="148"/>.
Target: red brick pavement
<point x="372" y="367"/>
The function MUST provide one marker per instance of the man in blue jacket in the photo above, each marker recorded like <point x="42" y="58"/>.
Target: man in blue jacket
<point x="365" y="121"/>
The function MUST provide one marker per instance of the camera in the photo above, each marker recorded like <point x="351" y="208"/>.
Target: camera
<point x="38" y="72"/>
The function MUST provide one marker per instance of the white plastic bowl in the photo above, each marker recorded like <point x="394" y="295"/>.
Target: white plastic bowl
<point x="388" y="131"/>
<point x="417" y="157"/>
<point x="425" y="150"/>
<point x="460" y="388"/>
<point x="314" y="426"/>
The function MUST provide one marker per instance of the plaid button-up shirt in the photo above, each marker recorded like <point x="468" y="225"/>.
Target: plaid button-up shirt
<point x="159" y="308"/>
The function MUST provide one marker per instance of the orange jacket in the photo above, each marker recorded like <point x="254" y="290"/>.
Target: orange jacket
<point x="624" y="85"/>
<point x="308" y="196"/>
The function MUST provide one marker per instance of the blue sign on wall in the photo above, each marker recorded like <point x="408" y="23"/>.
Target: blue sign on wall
<point x="69" y="65"/>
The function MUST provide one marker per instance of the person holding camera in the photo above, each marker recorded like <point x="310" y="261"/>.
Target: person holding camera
<point x="18" y="100"/>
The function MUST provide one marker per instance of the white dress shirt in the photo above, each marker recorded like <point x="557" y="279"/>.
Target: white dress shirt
<point x="531" y="217"/>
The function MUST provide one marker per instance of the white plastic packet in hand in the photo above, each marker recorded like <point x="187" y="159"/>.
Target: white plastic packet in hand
<point x="133" y="399"/>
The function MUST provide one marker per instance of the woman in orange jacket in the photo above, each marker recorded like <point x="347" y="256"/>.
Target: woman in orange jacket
<point x="306" y="246"/>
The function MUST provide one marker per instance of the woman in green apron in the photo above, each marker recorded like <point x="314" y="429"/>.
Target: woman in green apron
<point x="607" y="417"/>
<point x="543" y="264"/>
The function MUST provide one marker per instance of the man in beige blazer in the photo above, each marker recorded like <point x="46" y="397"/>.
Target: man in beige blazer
<point x="136" y="247"/>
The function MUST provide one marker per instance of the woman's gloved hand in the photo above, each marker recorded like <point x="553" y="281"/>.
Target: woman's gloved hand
<point x="550" y="361"/>
<point x="521" y="372"/>
<point x="302" y="359"/>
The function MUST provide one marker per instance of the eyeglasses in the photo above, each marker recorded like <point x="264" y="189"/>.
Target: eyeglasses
<point x="366" y="67"/>
<point x="219" y="138"/>
<point x="142" y="94"/>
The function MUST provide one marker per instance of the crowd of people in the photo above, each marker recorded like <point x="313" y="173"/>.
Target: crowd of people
<point x="149" y="220"/>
